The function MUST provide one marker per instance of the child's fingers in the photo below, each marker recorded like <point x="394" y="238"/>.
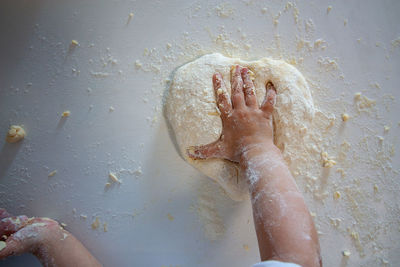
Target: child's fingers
<point x="4" y="214"/>
<point x="12" y="246"/>
<point x="11" y="225"/>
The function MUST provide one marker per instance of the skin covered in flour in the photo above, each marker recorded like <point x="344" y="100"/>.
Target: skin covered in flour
<point x="285" y="229"/>
<point x="44" y="238"/>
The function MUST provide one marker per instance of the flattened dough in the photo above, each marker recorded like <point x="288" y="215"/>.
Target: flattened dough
<point x="192" y="112"/>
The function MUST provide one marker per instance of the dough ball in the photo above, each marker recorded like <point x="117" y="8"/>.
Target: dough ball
<point x="192" y="112"/>
<point x="15" y="134"/>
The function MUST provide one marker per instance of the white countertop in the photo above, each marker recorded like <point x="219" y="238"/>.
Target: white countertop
<point x="153" y="217"/>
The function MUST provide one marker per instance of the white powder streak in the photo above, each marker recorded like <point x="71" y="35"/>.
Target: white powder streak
<point x="28" y="232"/>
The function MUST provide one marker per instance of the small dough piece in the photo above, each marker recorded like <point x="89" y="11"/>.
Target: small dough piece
<point x="346" y="253"/>
<point x="191" y="105"/>
<point x="74" y="43"/>
<point x="66" y="113"/>
<point x="51" y="174"/>
<point x="327" y="161"/>
<point x="15" y="134"/>
<point x="130" y="17"/>
<point x="96" y="223"/>
<point x="114" y="178"/>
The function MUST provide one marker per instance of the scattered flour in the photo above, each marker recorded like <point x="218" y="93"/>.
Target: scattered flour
<point x="206" y="209"/>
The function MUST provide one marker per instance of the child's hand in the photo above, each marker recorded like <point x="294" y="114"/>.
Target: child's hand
<point x="20" y="234"/>
<point x="244" y="123"/>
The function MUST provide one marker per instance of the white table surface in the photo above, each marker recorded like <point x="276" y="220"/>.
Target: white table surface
<point x="40" y="77"/>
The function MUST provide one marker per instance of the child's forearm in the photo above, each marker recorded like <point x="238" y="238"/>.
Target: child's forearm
<point x="284" y="227"/>
<point x="63" y="249"/>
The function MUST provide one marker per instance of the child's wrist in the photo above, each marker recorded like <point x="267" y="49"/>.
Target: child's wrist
<point x="256" y="149"/>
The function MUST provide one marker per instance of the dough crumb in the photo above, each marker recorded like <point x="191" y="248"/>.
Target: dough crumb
<point x="74" y="43"/>
<point x="96" y="223"/>
<point x="336" y="195"/>
<point x="15" y="133"/>
<point x="111" y="109"/>
<point x="170" y="217"/>
<point x="346" y="253"/>
<point x="327" y="161"/>
<point x="386" y="128"/>
<point x="138" y="64"/>
<point x="105" y="227"/>
<point x="345" y="117"/>
<point x="376" y="188"/>
<point x="83" y="216"/>
<point x="246" y="247"/>
<point x="114" y="178"/>
<point x="66" y="113"/>
<point x="130" y="17"/>
<point x="51" y="174"/>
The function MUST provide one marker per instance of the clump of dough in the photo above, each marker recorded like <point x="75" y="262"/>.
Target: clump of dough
<point x="345" y="117"/>
<point x="191" y="101"/>
<point x="327" y="161"/>
<point x="74" y="43"/>
<point x="96" y="223"/>
<point x="15" y="134"/>
<point x="336" y="195"/>
<point x="346" y="253"/>
<point x="66" y="113"/>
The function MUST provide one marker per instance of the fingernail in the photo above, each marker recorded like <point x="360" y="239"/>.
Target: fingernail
<point x="270" y="86"/>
